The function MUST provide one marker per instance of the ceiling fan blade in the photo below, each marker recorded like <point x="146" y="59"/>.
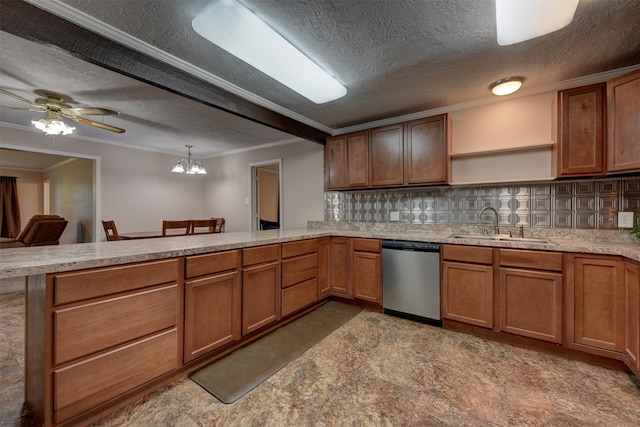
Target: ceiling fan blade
<point x="22" y="109"/>
<point x="96" y="124"/>
<point x="89" y="111"/>
<point x="19" y="98"/>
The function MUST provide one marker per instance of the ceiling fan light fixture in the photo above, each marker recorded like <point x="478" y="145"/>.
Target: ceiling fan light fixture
<point x="506" y="86"/>
<point x="189" y="166"/>
<point x="52" y="126"/>
<point x="237" y="30"/>
<point x="521" y="20"/>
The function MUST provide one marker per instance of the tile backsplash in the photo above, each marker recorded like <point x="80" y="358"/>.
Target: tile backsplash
<point x="575" y="204"/>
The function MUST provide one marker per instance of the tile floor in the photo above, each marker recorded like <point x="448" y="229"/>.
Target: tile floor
<point x="376" y="370"/>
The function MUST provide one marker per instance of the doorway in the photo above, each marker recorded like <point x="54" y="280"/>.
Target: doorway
<point x="266" y="195"/>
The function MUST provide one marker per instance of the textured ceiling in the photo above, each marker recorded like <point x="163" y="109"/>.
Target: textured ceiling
<point x="395" y="57"/>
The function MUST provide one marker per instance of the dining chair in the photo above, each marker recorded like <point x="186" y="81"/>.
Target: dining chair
<point x="110" y="230"/>
<point x="182" y="227"/>
<point x="219" y="225"/>
<point x="203" y="226"/>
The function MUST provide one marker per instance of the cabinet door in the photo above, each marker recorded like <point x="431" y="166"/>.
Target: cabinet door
<point x="339" y="277"/>
<point x="335" y="162"/>
<point x="260" y="296"/>
<point x="346" y="161"/>
<point x="427" y="150"/>
<point x="623" y="123"/>
<point x="598" y="303"/>
<point x="367" y="276"/>
<point x="212" y="313"/>
<point x="632" y="315"/>
<point x="324" y="257"/>
<point x="531" y="304"/>
<point x="467" y="293"/>
<point x="581" y="131"/>
<point x="387" y="156"/>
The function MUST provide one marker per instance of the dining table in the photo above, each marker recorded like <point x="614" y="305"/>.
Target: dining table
<point x="144" y="235"/>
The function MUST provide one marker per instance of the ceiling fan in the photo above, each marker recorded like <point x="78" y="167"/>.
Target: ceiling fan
<point x="56" y="108"/>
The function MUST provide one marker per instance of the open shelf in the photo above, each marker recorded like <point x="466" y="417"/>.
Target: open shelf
<point x="533" y="147"/>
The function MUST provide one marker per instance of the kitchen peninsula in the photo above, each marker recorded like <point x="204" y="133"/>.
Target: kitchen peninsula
<point x="94" y="306"/>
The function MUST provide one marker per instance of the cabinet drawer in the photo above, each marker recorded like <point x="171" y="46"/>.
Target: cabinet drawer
<point x="84" y="385"/>
<point x="200" y="265"/>
<point x="551" y="261"/>
<point x="291" y="249"/>
<point x="298" y="296"/>
<point x="83" y="285"/>
<point x="88" y="328"/>
<point x="471" y="254"/>
<point x="260" y="254"/>
<point x="366" y="245"/>
<point x="299" y="269"/>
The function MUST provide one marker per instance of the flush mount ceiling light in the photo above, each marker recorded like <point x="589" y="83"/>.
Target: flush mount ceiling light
<point x="234" y="28"/>
<point x="53" y="124"/>
<point x="189" y="166"/>
<point x="520" y="20"/>
<point x="506" y="86"/>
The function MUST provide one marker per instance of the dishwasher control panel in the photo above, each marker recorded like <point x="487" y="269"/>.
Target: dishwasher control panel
<point x="411" y="246"/>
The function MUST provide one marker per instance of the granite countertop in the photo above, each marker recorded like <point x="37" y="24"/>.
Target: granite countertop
<point x="49" y="259"/>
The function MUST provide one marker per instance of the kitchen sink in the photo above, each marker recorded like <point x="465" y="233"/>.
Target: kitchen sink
<point x="503" y="238"/>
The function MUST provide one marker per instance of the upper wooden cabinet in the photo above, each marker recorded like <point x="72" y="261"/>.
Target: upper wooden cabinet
<point x="387" y="156"/>
<point x="427" y="151"/>
<point x="410" y="153"/>
<point x="346" y="161"/>
<point x="581" y="131"/>
<point x="623" y="123"/>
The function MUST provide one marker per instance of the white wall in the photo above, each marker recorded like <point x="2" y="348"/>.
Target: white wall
<point x="135" y="187"/>
<point x="228" y="184"/>
<point x="138" y="191"/>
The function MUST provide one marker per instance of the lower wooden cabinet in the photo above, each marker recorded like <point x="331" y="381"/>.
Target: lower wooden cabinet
<point x="367" y="270"/>
<point x="261" y="284"/>
<point x="299" y="275"/>
<point x="632" y="315"/>
<point x="324" y="267"/>
<point x="212" y="303"/>
<point x="595" y="303"/>
<point x="340" y="270"/>
<point x="467" y="285"/>
<point x="531" y="294"/>
<point x="105" y="325"/>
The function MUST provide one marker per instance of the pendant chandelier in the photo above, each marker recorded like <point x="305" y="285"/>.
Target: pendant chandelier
<point x="189" y="166"/>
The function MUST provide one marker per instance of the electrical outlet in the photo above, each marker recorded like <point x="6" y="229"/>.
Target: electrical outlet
<point x="625" y="219"/>
<point x="395" y="216"/>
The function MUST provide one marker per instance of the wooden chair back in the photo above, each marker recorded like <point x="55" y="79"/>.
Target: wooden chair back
<point x="175" y="228"/>
<point x="203" y="226"/>
<point x="110" y="230"/>
<point x="219" y="225"/>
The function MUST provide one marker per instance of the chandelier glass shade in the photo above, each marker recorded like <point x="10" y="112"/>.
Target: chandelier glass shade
<point x="53" y="125"/>
<point x="189" y="166"/>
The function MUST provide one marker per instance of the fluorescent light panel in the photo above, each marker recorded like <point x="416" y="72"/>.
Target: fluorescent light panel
<point x="520" y="20"/>
<point x="234" y="28"/>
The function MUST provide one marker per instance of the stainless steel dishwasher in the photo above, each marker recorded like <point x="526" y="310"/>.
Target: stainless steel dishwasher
<point x="411" y="280"/>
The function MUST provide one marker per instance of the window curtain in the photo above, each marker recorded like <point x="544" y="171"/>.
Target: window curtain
<point x="10" y="208"/>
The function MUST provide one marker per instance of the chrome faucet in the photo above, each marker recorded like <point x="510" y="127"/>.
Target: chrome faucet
<point x="489" y="208"/>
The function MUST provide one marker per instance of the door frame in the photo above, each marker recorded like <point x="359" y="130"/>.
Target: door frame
<point x="252" y="201"/>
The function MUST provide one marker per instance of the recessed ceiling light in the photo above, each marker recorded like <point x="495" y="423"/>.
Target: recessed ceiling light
<point x="506" y="86"/>
<point x="234" y="28"/>
<point x="520" y="20"/>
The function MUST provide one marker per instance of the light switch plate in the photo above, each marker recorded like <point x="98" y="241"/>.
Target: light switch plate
<point x="395" y="216"/>
<point x="625" y="219"/>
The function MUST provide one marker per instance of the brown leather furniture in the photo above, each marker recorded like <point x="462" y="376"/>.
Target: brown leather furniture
<point x="41" y="230"/>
